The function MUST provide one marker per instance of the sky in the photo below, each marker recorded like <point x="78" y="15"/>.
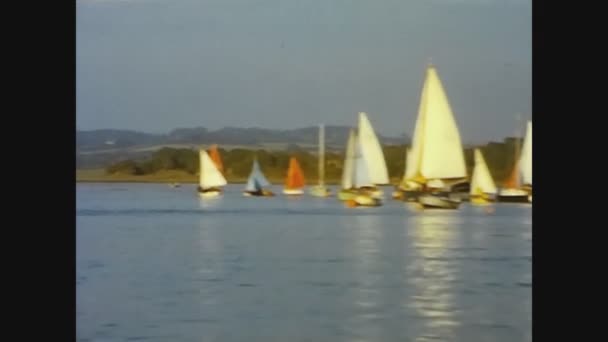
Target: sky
<point x="156" y="65"/>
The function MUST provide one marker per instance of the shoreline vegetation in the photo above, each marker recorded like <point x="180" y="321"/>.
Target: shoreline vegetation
<point x="180" y="165"/>
<point x="172" y="176"/>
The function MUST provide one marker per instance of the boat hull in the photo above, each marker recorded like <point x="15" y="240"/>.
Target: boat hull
<point x="480" y="200"/>
<point x="407" y="195"/>
<point x="320" y="191"/>
<point x="367" y="201"/>
<point x="209" y="193"/>
<point x="345" y="195"/>
<point x="514" y="199"/>
<point x="513" y="196"/>
<point x="261" y="193"/>
<point x="363" y="201"/>
<point x="293" y="192"/>
<point x="376" y="193"/>
<point x="438" y="202"/>
<point x="461" y="196"/>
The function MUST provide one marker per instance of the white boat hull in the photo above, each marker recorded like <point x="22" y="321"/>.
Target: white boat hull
<point x="293" y="192"/>
<point x="363" y="201"/>
<point x="438" y="202"/>
<point x="378" y="194"/>
<point x="210" y="194"/>
<point x="320" y="191"/>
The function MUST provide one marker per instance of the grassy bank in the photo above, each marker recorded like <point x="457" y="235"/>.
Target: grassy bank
<point x="169" y="176"/>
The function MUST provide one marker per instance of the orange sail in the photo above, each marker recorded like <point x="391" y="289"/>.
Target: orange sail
<point x="215" y="156"/>
<point x="513" y="180"/>
<point x="295" y="176"/>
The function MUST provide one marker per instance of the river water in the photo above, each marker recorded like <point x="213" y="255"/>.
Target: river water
<point x="156" y="263"/>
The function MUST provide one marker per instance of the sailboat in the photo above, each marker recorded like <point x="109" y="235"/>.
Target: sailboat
<point x="514" y="190"/>
<point x="257" y="182"/>
<point x="371" y="152"/>
<point x="483" y="188"/>
<point x="436" y="160"/>
<point x="295" y="178"/>
<point x="408" y="190"/>
<point x="210" y="178"/>
<point x="348" y="187"/>
<point x="362" y="180"/>
<point x="321" y="190"/>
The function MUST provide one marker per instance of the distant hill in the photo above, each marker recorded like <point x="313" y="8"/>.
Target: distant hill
<point x="109" y="139"/>
<point x="97" y="148"/>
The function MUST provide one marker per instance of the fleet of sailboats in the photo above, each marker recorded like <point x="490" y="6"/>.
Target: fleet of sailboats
<point x="434" y="173"/>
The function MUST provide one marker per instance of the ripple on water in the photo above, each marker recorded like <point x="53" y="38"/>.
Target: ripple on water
<point x="94" y="264"/>
<point x="247" y="285"/>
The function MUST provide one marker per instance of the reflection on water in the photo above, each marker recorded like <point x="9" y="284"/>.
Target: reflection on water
<point x="431" y="274"/>
<point x="210" y="273"/>
<point x="210" y="202"/>
<point x="366" y="264"/>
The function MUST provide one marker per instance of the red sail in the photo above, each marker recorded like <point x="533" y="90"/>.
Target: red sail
<point x="513" y="180"/>
<point x="217" y="160"/>
<point x="295" y="176"/>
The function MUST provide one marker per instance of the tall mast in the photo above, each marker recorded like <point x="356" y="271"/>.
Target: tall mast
<point x="321" y="155"/>
<point x="517" y="147"/>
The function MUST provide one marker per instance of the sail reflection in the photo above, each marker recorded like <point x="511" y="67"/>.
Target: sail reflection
<point x="210" y="270"/>
<point x="210" y="203"/>
<point x="431" y="272"/>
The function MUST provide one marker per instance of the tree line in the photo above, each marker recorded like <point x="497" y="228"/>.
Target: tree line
<point x="500" y="157"/>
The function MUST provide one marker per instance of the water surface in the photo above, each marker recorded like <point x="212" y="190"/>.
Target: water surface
<point x="156" y="263"/>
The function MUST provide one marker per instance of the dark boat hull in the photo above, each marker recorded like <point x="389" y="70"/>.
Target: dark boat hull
<point x="407" y="195"/>
<point x="513" y="199"/>
<point x="436" y="201"/>
<point x="261" y="193"/>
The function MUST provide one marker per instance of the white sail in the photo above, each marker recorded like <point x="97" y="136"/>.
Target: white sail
<point x="372" y="151"/>
<point x="321" y="155"/>
<point x="481" y="179"/>
<point x="525" y="163"/>
<point x="210" y="176"/>
<point x="361" y="176"/>
<point x="415" y="152"/>
<point x="347" y="173"/>
<point x="436" y="148"/>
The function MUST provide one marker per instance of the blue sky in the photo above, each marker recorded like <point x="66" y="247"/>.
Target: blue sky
<point x="154" y="65"/>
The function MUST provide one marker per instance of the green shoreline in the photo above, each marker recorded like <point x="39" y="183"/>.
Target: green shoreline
<point x="99" y="176"/>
